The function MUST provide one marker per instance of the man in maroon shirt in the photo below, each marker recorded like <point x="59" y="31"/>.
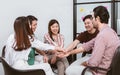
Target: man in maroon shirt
<point x="85" y="36"/>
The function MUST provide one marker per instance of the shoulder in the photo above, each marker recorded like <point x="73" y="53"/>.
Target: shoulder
<point x="11" y="39"/>
<point x="83" y="33"/>
<point x="61" y="35"/>
<point x="11" y="36"/>
<point x="46" y="35"/>
<point x="81" y="36"/>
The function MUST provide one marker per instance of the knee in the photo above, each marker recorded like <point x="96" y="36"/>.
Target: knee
<point x="74" y="70"/>
<point x="68" y="70"/>
<point x="60" y="65"/>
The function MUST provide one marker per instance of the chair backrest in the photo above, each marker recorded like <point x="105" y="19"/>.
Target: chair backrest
<point x="3" y="51"/>
<point x="115" y="64"/>
<point x="114" y="67"/>
<point x="8" y="70"/>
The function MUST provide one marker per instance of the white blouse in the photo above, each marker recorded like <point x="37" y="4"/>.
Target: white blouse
<point x="11" y="56"/>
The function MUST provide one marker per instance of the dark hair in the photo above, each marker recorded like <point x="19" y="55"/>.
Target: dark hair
<point x="103" y="13"/>
<point x="31" y="18"/>
<point x="87" y="17"/>
<point x="22" y="33"/>
<point x="51" y="22"/>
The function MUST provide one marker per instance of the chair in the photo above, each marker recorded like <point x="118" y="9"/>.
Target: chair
<point x="114" y="68"/>
<point x="8" y="70"/>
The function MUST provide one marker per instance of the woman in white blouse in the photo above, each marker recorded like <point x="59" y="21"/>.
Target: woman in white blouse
<point x="19" y="45"/>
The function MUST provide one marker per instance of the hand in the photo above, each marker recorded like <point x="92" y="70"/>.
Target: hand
<point x="45" y="59"/>
<point x="63" y="54"/>
<point x="84" y="63"/>
<point x="53" y="59"/>
<point x="59" y="49"/>
<point x="54" y="51"/>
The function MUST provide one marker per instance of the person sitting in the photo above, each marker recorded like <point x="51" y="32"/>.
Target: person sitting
<point x="90" y="33"/>
<point x="19" y="44"/>
<point x="83" y="37"/>
<point x="39" y="55"/>
<point x="54" y="38"/>
<point x="104" y="46"/>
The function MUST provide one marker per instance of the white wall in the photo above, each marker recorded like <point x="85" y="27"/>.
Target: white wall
<point x="44" y="10"/>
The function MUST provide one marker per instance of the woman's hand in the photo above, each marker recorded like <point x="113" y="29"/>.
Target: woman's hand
<point x="53" y="59"/>
<point x="63" y="54"/>
<point x="45" y="59"/>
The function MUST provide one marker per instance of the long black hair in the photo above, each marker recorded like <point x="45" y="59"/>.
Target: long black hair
<point x="51" y="22"/>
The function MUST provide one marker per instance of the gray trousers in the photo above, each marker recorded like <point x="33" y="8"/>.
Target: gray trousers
<point x="62" y="64"/>
<point x="76" y="68"/>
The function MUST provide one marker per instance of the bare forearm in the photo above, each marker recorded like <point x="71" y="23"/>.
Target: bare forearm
<point x="40" y="52"/>
<point x="72" y="45"/>
<point x="78" y="50"/>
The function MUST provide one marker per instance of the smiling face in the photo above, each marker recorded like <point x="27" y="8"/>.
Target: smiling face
<point x="88" y="24"/>
<point x="34" y="25"/>
<point x="33" y="22"/>
<point x="54" y="28"/>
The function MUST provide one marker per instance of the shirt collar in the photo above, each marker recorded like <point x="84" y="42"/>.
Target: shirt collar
<point x="104" y="27"/>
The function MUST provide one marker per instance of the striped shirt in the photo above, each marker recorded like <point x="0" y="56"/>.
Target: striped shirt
<point x="59" y="43"/>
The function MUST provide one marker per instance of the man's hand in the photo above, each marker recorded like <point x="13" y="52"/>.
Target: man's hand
<point x="63" y="54"/>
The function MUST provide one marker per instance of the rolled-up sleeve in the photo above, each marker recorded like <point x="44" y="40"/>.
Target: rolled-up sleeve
<point x="98" y="52"/>
<point x="89" y="45"/>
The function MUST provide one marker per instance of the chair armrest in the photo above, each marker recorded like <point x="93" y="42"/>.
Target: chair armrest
<point x="84" y="70"/>
<point x="93" y="68"/>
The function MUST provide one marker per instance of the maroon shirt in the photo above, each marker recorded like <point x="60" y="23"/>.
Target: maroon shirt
<point x="85" y="37"/>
